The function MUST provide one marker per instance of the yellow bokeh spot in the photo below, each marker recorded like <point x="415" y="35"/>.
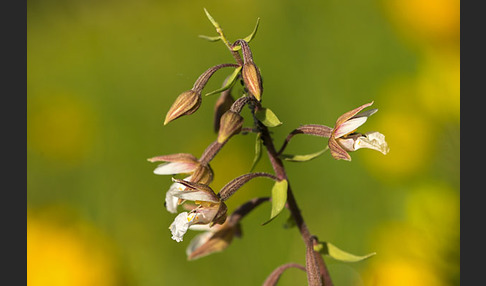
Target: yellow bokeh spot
<point x="400" y="272"/>
<point x="64" y="254"/>
<point x="400" y="240"/>
<point x="429" y="22"/>
<point x="60" y="126"/>
<point x="410" y="139"/>
<point x="409" y="131"/>
<point x="438" y="83"/>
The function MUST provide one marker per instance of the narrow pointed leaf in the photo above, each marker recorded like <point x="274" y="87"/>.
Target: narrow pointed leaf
<point x="252" y="35"/>
<point x="327" y="248"/>
<point x="302" y="158"/>
<point x="267" y="117"/>
<point x="249" y="37"/>
<point x="215" y="24"/>
<point x="258" y="151"/>
<point x="229" y="83"/>
<point x="279" y="198"/>
<point x="209" y="38"/>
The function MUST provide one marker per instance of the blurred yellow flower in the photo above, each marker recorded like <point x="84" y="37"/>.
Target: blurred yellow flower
<point x="438" y="84"/>
<point x="65" y="254"/>
<point x="412" y="139"/>
<point x="401" y="272"/>
<point x="427" y="22"/>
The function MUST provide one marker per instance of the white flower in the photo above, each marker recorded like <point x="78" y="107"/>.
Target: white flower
<point x="185" y="220"/>
<point x="180" y="226"/>
<point x="372" y="140"/>
<point x="180" y="163"/>
<point x="209" y="208"/>
<point x="171" y="199"/>
<point x="344" y="138"/>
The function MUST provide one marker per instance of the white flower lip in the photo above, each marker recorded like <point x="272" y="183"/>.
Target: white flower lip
<point x="180" y="225"/>
<point x="185" y="220"/>
<point x="372" y="140"/>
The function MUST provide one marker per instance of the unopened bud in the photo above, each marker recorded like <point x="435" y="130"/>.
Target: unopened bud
<point x="203" y="174"/>
<point x="222" y="105"/>
<point x="252" y="79"/>
<point x="221" y="215"/>
<point x="230" y="124"/>
<point x="186" y="103"/>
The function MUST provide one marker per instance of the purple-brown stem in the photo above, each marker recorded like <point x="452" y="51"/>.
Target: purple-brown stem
<point x="318" y="268"/>
<point x="203" y="78"/>
<point x="292" y="203"/>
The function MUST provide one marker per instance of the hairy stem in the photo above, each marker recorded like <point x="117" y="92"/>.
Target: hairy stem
<point x="279" y="169"/>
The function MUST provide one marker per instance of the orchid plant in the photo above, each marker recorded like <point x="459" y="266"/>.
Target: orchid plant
<point x="205" y="210"/>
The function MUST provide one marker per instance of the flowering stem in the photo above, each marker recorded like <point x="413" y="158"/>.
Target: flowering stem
<point x="203" y="78"/>
<point x="210" y="152"/>
<point x="309" y="129"/>
<point x="292" y="203"/>
<point x="231" y="187"/>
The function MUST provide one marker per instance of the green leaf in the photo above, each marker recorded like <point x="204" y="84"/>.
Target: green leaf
<point x="252" y="35"/>
<point x="229" y="83"/>
<point x="258" y="151"/>
<point x="327" y="248"/>
<point x="215" y="24"/>
<point x="211" y="39"/>
<point x="302" y="158"/>
<point x="267" y="117"/>
<point x="249" y="37"/>
<point x="279" y="198"/>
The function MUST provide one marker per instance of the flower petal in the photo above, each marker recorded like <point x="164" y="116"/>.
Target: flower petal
<point x="178" y="157"/>
<point x="175" y="168"/>
<point x="211" y="242"/>
<point x="372" y="140"/>
<point x="197" y="192"/>
<point x="171" y="201"/>
<point x="337" y="151"/>
<point x="197" y="195"/>
<point x="197" y="241"/>
<point x="349" y="126"/>
<point x="348" y="115"/>
<point x="366" y="113"/>
<point x="180" y="225"/>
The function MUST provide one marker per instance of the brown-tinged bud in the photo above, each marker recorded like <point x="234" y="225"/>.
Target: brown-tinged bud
<point x="186" y="103"/>
<point x="230" y="124"/>
<point x="252" y="79"/>
<point x="221" y="215"/>
<point x="222" y="105"/>
<point x="203" y="174"/>
<point x="216" y="239"/>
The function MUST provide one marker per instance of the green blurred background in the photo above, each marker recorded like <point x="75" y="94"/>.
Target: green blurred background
<point x="101" y="76"/>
